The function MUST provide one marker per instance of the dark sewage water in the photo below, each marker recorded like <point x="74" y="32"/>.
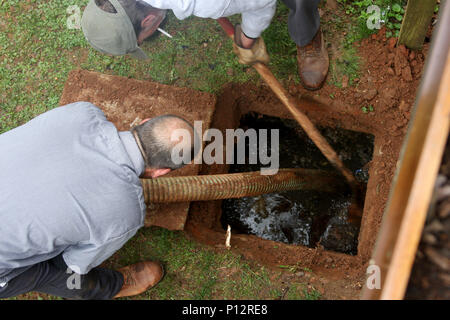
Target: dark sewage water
<point x="304" y="218"/>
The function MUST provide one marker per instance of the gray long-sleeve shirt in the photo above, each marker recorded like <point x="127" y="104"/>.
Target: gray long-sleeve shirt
<point x="256" y="14"/>
<point x="69" y="183"/>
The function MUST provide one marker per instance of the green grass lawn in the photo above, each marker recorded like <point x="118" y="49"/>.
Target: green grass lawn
<point x="194" y="271"/>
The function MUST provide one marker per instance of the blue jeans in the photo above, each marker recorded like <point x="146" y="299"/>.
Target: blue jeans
<point x="303" y="21"/>
<point x="50" y="278"/>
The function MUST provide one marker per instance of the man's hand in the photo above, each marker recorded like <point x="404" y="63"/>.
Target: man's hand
<point x="248" y="50"/>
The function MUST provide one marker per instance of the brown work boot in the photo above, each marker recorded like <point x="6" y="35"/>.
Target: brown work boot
<point x="313" y="62"/>
<point x="139" y="277"/>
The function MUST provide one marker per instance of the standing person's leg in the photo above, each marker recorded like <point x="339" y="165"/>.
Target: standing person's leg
<point x="46" y="277"/>
<point x="304" y="29"/>
<point x="303" y="21"/>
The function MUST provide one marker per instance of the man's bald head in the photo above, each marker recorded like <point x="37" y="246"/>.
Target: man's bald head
<point x="160" y="137"/>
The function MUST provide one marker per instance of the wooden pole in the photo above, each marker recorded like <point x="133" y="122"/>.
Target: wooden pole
<point x="416" y="22"/>
<point x="420" y="196"/>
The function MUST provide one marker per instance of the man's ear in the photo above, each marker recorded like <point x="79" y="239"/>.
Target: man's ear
<point x="154" y="173"/>
<point x="149" y="20"/>
<point x="144" y="121"/>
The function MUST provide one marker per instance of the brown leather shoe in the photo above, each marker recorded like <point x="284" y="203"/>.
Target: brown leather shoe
<point x="313" y="62"/>
<point x="140" y="277"/>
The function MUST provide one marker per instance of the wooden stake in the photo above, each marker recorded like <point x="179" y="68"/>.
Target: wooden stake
<point x="416" y="22"/>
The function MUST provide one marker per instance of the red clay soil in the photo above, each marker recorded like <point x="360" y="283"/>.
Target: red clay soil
<point x="389" y="80"/>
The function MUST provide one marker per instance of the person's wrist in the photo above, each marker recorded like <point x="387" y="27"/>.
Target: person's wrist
<point x="247" y="42"/>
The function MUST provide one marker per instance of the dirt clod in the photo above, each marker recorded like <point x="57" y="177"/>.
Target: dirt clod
<point x="370" y="94"/>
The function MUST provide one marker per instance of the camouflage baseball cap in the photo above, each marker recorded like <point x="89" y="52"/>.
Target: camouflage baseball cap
<point x="110" y="33"/>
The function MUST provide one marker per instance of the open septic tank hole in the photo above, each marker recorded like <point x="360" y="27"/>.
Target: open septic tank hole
<point x="305" y="218"/>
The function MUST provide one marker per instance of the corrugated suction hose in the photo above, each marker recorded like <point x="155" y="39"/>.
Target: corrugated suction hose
<point x="238" y="185"/>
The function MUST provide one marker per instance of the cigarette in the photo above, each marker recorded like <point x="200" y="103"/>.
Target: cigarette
<point x="164" y="32"/>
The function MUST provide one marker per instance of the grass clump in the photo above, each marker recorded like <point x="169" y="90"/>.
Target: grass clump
<point x="369" y="19"/>
<point x="346" y="65"/>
